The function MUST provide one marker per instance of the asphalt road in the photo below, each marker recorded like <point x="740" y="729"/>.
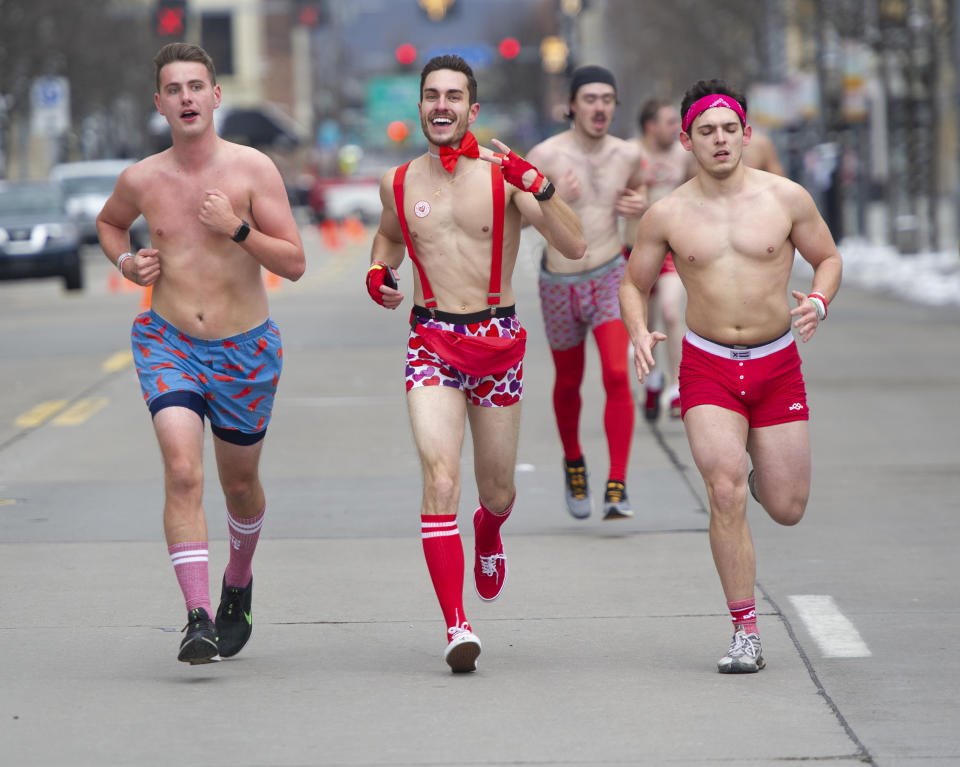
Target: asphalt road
<point x="601" y="650"/>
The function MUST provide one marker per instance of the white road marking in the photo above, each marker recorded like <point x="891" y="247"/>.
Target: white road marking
<point x="834" y="633"/>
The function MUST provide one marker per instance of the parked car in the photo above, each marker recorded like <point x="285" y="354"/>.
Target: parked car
<point x="339" y="198"/>
<point x="86" y="187"/>
<point x="37" y="237"/>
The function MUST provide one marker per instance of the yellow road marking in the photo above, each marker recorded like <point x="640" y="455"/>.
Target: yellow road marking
<point x="7" y="501"/>
<point x="80" y="411"/>
<point x="118" y="361"/>
<point x="40" y="413"/>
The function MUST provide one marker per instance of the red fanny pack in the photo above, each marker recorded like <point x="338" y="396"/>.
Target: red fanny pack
<point x="475" y="355"/>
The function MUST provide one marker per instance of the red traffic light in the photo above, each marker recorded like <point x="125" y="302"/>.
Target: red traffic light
<point x="406" y="54"/>
<point x="397" y="130"/>
<point x="509" y="47"/>
<point x="171" y="18"/>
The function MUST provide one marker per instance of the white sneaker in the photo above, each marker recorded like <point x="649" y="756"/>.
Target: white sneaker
<point x="464" y="649"/>
<point x="745" y="655"/>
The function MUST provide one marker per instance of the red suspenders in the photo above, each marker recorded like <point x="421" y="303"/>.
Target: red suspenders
<point x="496" y="249"/>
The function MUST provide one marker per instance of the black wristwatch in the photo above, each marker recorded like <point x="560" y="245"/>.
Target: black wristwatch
<point x="242" y="231"/>
<point x="546" y="193"/>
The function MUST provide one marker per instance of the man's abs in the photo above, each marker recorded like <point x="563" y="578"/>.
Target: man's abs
<point x="211" y="311"/>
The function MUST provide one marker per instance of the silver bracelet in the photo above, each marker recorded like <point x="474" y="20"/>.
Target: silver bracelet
<point x="123" y="257"/>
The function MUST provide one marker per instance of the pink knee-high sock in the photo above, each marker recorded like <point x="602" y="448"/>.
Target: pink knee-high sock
<point x="244" y="534"/>
<point x="190" y="565"/>
<point x="488" y="530"/>
<point x="443" y="551"/>
<point x="744" y="615"/>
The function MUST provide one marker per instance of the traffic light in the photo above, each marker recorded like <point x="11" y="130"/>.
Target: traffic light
<point x="311" y="13"/>
<point x="509" y="48"/>
<point x="171" y="18"/>
<point x="436" y="10"/>
<point x="397" y="131"/>
<point x="406" y="54"/>
<point x="553" y="54"/>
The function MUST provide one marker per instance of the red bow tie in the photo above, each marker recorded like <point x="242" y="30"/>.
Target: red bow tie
<point x="468" y="148"/>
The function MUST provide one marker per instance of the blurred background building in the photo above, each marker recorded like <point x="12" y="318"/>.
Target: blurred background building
<point x="859" y="96"/>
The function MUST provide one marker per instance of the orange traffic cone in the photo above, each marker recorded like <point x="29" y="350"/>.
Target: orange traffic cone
<point x="330" y="234"/>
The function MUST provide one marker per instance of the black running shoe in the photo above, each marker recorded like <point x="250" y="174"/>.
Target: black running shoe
<point x="200" y="643"/>
<point x="235" y="618"/>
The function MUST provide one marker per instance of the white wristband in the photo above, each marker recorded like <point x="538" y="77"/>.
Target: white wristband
<point x="123" y="257"/>
<point x="821" y="309"/>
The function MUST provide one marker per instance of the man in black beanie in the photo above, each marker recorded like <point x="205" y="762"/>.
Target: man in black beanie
<point x="600" y="177"/>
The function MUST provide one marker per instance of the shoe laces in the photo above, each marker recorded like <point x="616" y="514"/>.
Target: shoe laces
<point x="456" y="631"/>
<point x="233" y="606"/>
<point x="195" y="617"/>
<point x="488" y="565"/>
<point x="577" y="480"/>
<point x="616" y="492"/>
<point x="744" y="644"/>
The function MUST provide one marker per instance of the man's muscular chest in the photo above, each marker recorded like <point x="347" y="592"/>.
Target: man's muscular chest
<point x="172" y="204"/>
<point x="703" y="234"/>
<point x="448" y="215"/>
<point x="599" y="175"/>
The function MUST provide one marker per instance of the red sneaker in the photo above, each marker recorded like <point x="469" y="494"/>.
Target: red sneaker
<point x="490" y="571"/>
<point x="651" y="408"/>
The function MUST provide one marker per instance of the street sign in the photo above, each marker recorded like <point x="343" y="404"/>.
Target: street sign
<point x="50" y="106"/>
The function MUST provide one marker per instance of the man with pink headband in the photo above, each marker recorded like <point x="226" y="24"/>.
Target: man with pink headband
<point x="733" y="231"/>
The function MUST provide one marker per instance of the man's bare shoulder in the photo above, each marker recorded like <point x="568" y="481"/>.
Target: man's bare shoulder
<point x="677" y="203"/>
<point x="625" y="147"/>
<point x="791" y="195"/>
<point x="415" y="167"/>
<point x="247" y="156"/>
<point x="144" y="172"/>
<point x="559" y="142"/>
<point x="774" y="183"/>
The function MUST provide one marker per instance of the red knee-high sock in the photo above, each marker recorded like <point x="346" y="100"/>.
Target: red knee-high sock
<point x="488" y="530"/>
<point x="190" y="563"/>
<point x="613" y="342"/>
<point x="443" y="551"/>
<point x="566" y="398"/>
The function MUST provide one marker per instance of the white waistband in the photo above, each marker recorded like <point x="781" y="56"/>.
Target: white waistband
<point x="739" y="352"/>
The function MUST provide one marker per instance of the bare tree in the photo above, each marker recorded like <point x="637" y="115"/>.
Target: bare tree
<point x="103" y="47"/>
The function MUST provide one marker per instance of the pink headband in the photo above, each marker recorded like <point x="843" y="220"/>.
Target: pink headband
<point x="708" y="102"/>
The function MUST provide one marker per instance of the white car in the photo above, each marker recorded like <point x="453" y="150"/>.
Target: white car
<point x="86" y="186"/>
<point x="359" y="200"/>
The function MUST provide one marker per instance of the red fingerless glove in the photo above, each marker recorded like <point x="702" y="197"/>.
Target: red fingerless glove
<point x="376" y="275"/>
<point x="514" y="166"/>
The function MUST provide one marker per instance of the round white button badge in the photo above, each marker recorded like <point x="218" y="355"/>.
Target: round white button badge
<point x="421" y="209"/>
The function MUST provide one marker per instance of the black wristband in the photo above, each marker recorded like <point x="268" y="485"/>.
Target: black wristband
<point x="546" y="193"/>
<point x="242" y="231"/>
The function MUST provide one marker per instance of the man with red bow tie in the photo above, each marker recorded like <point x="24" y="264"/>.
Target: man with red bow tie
<point x="457" y="211"/>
